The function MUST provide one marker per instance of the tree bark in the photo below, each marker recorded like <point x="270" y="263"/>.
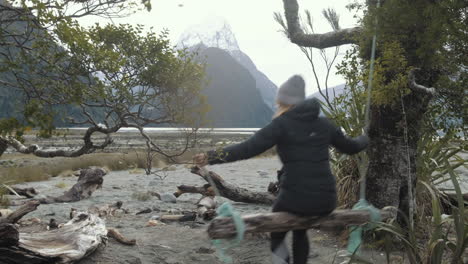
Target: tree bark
<point x="231" y="191"/>
<point x="392" y="158"/>
<point x="281" y="222"/>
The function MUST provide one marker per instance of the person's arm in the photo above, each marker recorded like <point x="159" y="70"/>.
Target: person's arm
<point x="347" y="144"/>
<point x="260" y="142"/>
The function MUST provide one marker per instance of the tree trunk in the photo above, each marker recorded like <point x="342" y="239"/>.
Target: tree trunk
<point x="392" y="155"/>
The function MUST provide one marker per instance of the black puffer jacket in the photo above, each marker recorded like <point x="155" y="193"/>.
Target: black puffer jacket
<point x="302" y="139"/>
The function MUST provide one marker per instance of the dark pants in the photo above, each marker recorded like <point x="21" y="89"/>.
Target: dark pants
<point x="300" y="241"/>
<point x="280" y="250"/>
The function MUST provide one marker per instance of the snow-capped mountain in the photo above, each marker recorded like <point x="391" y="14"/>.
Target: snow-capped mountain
<point x="217" y="33"/>
<point x="214" y="32"/>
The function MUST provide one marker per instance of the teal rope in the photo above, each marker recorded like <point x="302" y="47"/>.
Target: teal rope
<point x="355" y="238"/>
<point x="226" y="210"/>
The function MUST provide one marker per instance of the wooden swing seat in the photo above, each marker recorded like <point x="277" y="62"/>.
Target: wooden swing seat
<point x="224" y="227"/>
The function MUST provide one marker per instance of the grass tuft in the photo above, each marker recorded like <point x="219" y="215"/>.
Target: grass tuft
<point x="42" y="169"/>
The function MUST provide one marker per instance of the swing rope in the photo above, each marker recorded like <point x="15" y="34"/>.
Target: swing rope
<point x="355" y="238"/>
<point x="227" y="210"/>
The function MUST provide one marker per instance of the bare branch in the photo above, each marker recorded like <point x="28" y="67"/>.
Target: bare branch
<point x="418" y="87"/>
<point x="320" y="41"/>
<point x="87" y="147"/>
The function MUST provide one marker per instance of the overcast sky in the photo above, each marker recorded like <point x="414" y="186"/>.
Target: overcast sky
<point x="256" y="31"/>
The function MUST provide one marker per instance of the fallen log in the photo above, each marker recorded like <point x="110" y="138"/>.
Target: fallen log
<point x="89" y="181"/>
<point x="27" y="192"/>
<point x="281" y="221"/>
<point x="190" y="216"/>
<point x="206" y="190"/>
<point x="231" y="191"/>
<point x="20" y="212"/>
<point x="114" y="233"/>
<point x="74" y="240"/>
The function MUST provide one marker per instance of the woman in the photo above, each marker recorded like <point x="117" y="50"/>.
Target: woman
<point x="307" y="186"/>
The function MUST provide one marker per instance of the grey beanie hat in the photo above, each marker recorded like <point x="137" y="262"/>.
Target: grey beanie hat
<point x="292" y="91"/>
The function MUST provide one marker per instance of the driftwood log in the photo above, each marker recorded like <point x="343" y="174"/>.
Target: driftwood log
<point x="114" y="233"/>
<point x="188" y="216"/>
<point x="20" y="212"/>
<point x="280" y="222"/>
<point x="89" y="181"/>
<point x="206" y="190"/>
<point x="231" y="191"/>
<point x="73" y="241"/>
<point x="26" y="192"/>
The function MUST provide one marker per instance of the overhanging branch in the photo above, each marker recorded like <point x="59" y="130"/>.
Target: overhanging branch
<point x="320" y="41"/>
<point x="87" y="147"/>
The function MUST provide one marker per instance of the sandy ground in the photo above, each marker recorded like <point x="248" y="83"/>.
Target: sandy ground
<point x="179" y="243"/>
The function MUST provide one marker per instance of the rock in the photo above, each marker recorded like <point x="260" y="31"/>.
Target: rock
<point x="188" y="217"/>
<point x="205" y="250"/>
<point x="153" y="183"/>
<point x="168" y="198"/>
<point x="155" y="217"/>
<point x="262" y="173"/>
<point x="52" y="224"/>
<point x="154" y="223"/>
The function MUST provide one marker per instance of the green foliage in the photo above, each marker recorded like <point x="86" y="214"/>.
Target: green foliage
<point x="347" y="110"/>
<point x="118" y="75"/>
<point x="430" y="35"/>
<point x="390" y="75"/>
<point x="448" y="237"/>
<point x="38" y="67"/>
<point x="434" y="153"/>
